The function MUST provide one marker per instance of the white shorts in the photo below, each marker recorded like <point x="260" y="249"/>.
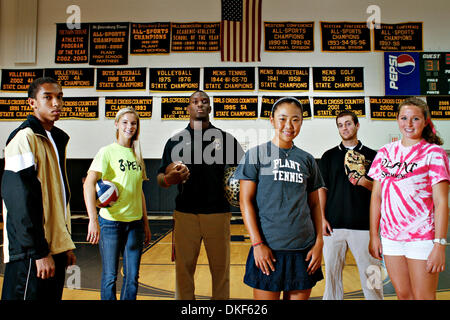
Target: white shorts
<point x="419" y="250"/>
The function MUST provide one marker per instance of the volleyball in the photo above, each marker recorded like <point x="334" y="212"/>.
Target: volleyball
<point x="231" y="186"/>
<point x="107" y="193"/>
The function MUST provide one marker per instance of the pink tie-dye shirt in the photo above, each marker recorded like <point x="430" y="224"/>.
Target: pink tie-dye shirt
<point x="407" y="175"/>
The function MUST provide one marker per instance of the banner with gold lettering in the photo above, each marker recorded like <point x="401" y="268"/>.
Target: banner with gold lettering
<point x="18" y="80"/>
<point x="174" y="79"/>
<point x="72" y="45"/>
<point x="439" y="107"/>
<point x="345" y="37"/>
<point x="72" y="78"/>
<point x="121" y="79"/>
<point x="150" y="38"/>
<point x="385" y="107"/>
<point x="399" y="37"/>
<point x="174" y="108"/>
<point x="195" y="37"/>
<point x="338" y="78"/>
<point x="14" y="109"/>
<point x="80" y="108"/>
<point x="268" y="101"/>
<point x="143" y="106"/>
<point x="236" y="107"/>
<point x="229" y="78"/>
<point x="289" y="36"/>
<point x="283" y="78"/>
<point x="108" y="43"/>
<point x="330" y="107"/>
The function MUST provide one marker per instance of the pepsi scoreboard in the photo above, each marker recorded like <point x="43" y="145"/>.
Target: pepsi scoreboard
<point x="435" y="73"/>
<point x="417" y="73"/>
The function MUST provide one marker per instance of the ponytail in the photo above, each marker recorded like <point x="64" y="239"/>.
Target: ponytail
<point x="430" y="135"/>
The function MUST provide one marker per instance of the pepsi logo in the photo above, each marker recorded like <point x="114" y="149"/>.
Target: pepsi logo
<point x="405" y="64"/>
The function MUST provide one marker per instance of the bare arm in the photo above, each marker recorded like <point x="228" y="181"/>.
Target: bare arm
<point x="366" y="183"/>
<point x="436" y="259"/>
<point x="315" y="254"/>
<point x="262" y="253"/>
<point x="326" y="227"/>
<point x="160" y="180"/>
<point x="89" y="192"/>
<point x="375" y="216"/>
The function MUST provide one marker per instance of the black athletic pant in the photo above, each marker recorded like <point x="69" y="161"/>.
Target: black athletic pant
<point x="20" y="280"/>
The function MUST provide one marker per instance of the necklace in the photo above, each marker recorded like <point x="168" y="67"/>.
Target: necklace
<point x="286" y="152"/>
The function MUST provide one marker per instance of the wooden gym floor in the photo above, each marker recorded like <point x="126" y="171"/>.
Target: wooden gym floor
<point x="157" y="275"/>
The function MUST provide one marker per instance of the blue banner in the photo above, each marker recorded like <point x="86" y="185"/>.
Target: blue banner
<point x="402" y="73"/>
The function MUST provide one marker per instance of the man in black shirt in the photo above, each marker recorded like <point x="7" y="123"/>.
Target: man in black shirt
<point x="345" y="203"/>
<point x="201" y="209"/>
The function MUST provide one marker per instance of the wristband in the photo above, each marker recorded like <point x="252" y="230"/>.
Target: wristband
<point x="165" y="181"/>
<point x="257" y="244"/>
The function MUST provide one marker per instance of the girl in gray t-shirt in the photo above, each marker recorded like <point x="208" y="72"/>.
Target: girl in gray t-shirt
<point x="280" y="206"/>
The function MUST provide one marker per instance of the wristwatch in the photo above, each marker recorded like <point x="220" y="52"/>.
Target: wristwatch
<point x="442" y="241"/>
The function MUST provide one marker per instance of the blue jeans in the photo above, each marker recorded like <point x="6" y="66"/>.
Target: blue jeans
<point x="117" y="238"/>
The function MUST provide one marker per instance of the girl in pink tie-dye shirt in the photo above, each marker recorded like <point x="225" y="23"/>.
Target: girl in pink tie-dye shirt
<point x="409" y="204"/>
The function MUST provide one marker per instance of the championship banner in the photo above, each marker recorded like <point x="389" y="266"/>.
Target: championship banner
<point x="174" y="79"/>
<point x="399" y="37"/>
<point x="338" y="79"/>
<point x="229" y="79"/>
<point x="196" y="37"/>
<point x="108" y="44"/>
<point x="435" y="73"/>
<point x="18" y="80"/>
<point x="345" y="37"/>
<point x="236" y="108"/>
<point x="85" y="108"/>
<point x="283" y="79"/>
<point x="439" y="107"/>
<point x="109" y="79"/>
<point x="72" y="78"/>
<point x="385" y="107"/>
<point x="72" y="45"/>
<point x="330" y="107"/>
<point x="150" y="38"/>
<point x="401" y="73"/>
<point x="174" y="108"/>
<point x="14" y="109"/>
<point x="268" y="101"/>
<point x="143" y="106"/>
<point x="289" y="36"/>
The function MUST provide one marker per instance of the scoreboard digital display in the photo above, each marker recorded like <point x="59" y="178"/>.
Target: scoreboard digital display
<point x="435" y="73"/>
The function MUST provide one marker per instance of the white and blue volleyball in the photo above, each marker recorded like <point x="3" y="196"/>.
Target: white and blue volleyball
<point x="107" y="193"/>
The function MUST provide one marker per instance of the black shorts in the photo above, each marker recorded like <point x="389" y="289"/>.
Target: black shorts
<point x="290" y="272"/>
